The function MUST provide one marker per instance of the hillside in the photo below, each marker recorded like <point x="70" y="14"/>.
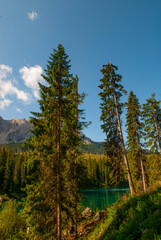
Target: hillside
<point x="93" y="147"/>
<point x="132" y="217"/>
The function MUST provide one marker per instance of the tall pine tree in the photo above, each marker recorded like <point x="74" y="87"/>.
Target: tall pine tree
<point x="72" y="140"/>
<point x="152" y="123"/>
<point x="134" y="136"/>
<point x="54" y="149"/>
<point x="111" y="107"/>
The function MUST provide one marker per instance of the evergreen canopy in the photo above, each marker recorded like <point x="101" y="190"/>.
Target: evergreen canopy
<point x="152" y="123"/>
<point x="111" y="109"/>
<point x="54" y="149"/>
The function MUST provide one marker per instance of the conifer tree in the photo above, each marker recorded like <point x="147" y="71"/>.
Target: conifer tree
<point x="3" y="158"/>
<point x="8" y="175"/>
<point x="17" y="173"/>
<point x="152" y="123"/>
<point x="72" y="139"/>
<point x="53" y="148"/>
<point x="134" y="136"/>
<point x="111" y="107"/>
<point x="77" y="100"/>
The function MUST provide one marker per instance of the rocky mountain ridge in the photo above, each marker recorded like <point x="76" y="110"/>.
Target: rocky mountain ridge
<point x="17" y="130"/>
<point x="14" y="130"/>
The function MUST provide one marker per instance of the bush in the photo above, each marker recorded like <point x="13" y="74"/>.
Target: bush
<point x="12" y="225"/>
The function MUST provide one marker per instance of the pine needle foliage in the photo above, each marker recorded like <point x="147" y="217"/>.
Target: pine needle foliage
<point x="53" y="150"/>
<point x="134" y="137"/>
<point x="111" y="108"/>
<point x="133" y="123"/>
<point x="152" y="123"/>
<point x="109" y="119"/>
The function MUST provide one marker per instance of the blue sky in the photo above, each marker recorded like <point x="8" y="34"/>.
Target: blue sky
<point x="125" y="32"/>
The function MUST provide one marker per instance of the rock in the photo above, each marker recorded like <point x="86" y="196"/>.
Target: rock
<point x="15" y="130"/>
<point x="99" y="216"/>
<point x="87" y="213"/>
<point x="85" y="139"/>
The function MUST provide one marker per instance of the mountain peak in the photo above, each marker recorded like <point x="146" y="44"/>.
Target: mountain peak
<point x="13" y="131"/>
<point x="18" y="121"/>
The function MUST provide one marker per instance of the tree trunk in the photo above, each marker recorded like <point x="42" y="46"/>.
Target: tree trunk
<point x="141" y="162"/>
<point x="75" y="170"/>
<point x="143" y="175"/>
<point x="58" y="169"/>
<point x="132" y="190"/>
<point x="142" y="170"/>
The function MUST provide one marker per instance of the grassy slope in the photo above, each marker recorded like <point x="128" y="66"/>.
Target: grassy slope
<point x="132" y="218"/>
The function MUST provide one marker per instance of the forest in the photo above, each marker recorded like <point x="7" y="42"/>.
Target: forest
<point x="41" y="181"/>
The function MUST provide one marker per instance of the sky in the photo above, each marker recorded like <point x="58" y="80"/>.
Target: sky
<point x="93" y="33"/>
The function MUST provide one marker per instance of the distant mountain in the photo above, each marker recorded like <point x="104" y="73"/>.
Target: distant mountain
<point x="90" y="146"/>
<point x="14" y="131"/>
<point x="17" y="130"/>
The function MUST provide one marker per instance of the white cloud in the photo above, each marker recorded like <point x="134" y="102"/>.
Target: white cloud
<point x="18" y="110"/>
<point x="4" y="71"/>
<point x="5" y="103"/>
<point x="32" y="15"/>
<point x="7" y="87"/>
<point x="31" y="77"/>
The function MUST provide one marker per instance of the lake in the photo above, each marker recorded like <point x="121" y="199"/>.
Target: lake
<point x="99" y="199"/>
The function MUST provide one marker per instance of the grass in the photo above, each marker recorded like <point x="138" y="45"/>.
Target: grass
<point x="133" y="218"/>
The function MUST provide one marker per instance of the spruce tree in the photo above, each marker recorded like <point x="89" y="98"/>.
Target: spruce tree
<point x="152" y="123"/>
<point x="134" y="136"/>
<point x="54" y="148"/>
<point x="17" y="172"/>
<point x="8" y="175"/>
<point x="3" y="159"/>
<point x="72" y="139"/>
<point x="111" y="107"/>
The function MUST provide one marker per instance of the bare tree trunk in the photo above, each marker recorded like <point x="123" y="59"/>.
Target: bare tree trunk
<point x="132" y="190"/>
<point x="143" y="175"/>
<point x="58" y="169"/>
<point x="141" y="162"/>
<point x="142" y="169"/>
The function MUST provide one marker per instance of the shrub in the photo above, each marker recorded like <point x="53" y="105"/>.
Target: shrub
<point x="12" y="225"/>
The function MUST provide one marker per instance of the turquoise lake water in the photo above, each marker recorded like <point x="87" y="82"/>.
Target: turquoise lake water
<point x="100" y="199"/>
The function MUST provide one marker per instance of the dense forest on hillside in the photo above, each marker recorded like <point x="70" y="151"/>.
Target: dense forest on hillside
<point x="96" y="172"/>
<point x="44" y="178"/>
<point x="93" y="147"/>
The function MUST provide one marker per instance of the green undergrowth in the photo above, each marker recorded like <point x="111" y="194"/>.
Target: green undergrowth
<point x="132" y="218"/>
<point x="12" y="225"/>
